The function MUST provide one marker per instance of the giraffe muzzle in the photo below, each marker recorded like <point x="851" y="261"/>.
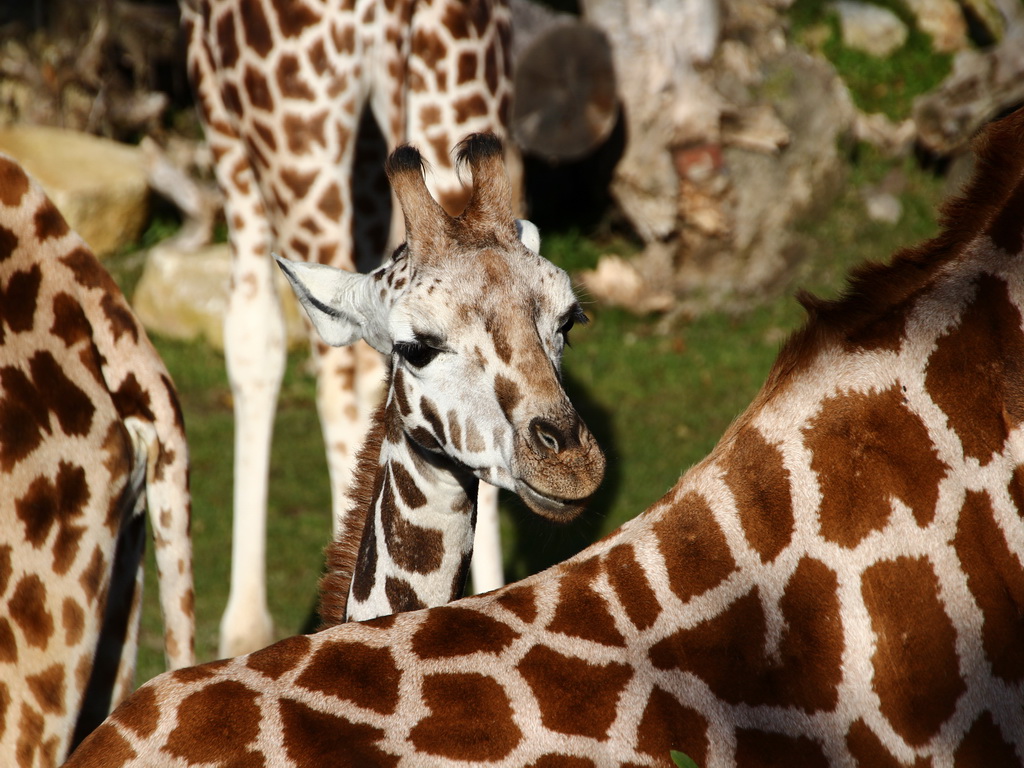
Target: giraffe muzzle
<point x="559" y="466"/>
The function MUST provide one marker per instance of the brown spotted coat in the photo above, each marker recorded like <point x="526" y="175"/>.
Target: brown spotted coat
<point x="90" y="434"/>
<point x="840" y="582"/>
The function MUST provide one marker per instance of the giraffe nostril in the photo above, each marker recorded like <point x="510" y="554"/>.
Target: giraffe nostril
<point x="545" y="436"/>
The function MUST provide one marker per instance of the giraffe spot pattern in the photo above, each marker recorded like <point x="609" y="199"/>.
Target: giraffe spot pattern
<point x="561" y="761"/>
<point x="508" y="395"/>
<point x="73" y="622"/>
<point x="450" y="631"/>
<point x="69" y="321"/>
<point x="8" y="245"/>
<point x="280" y="658"/>
<point x="316" y="738"/>
<point x="365" y="574"/>
<point x="996" y="579"/>
<point x="401" y="596"/>
<point x="499" y="338"/>
<point x="27" y="610"/>
<point x="471" y="718"/>
<point x="256" y="27"/>
<point x="868" y="751"/>
<point x="13" y="183"/>
<point x="8" y="642"/>
<point x="429" y="412"/>
<point x="581" y="611"/>
<point x="520" y="601"/>
<point x="6" y="568"/>
<point x="140" y="714"/>
<point x="292" y="18"/>
<point x="412" y="547"/>
<point x="258" y="89"/>
<point x="691" y="538"/>
<point x="917" y="675"/>
<point x="575" y="696"/>
<point x="985" y="747"/>
<point x="870" y="447"/>
<point x="299" y="185"/>
<point x="408" y="491"/>
<point x="666" y="725"/>
<point x="728" y="651"/>
<point x="631" y="586"/>
<point x="291" y="82"/>
<point x="366" y="676"/>
<point x="48" y="688"/>
<point x="114" y="749"/>
<point x="314" y="131"/>
<point x="48" y="222"/>
<point x="226" y="713"/>
<point x="760" y="749"/>
<point x="962" y="384"/>
<point x="760" y="484"/>
<point x="18" y="301"/>
<point x="56" y="504"/>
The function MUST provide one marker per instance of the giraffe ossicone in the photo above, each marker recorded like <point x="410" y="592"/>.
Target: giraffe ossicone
<point x="839" y="583"/>
<point x="91" y="437"/>
<point x="473" y="322"/>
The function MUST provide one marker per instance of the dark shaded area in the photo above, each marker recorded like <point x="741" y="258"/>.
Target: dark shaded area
<point x="576" y="194"/>
<point x="96" y="704"/>
<point x="540" y="543"/>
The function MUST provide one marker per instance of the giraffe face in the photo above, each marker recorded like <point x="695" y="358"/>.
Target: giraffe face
<point x="475" y="323"/>
<point x="477" y="348"/>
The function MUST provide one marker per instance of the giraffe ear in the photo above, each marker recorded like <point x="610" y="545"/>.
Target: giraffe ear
<point x="342" y="305"/>
<point x="529" y="234"/>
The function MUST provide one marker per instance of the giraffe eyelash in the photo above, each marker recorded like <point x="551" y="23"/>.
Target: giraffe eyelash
<point x="569" y="319"/>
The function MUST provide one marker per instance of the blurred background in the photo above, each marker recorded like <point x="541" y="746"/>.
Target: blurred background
<point x="692" y="163"/>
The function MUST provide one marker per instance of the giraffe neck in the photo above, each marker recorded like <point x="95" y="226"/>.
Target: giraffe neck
<point x="409" y="539"/>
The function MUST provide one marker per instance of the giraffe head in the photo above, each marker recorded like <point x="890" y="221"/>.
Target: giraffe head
<point x="474" y="322"/>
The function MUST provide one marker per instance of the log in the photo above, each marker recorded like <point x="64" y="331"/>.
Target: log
<point x="566" y="103"/>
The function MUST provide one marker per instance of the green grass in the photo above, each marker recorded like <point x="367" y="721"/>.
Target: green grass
<point x="657" y="399"/>
<point x="877" y="84"/>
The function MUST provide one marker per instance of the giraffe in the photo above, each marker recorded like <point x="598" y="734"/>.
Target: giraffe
<point x="90" y="435"/>
<point x="838" y="583"/>
<point x="473" y="322"/>
<point x="281" y="88"/>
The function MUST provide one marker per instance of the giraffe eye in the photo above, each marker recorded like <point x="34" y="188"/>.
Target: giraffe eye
<point x="415" y="353"/>
<point x="569" y="320"/>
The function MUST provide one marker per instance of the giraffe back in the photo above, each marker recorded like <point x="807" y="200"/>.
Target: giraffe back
<point x="90" y="431"/>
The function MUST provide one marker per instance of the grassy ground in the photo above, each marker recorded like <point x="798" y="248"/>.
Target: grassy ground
<point x="657" y="399"/>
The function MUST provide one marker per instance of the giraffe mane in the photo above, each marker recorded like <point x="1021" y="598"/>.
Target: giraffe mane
<point x="876" y="289"/>
<point x="341" y="554"/>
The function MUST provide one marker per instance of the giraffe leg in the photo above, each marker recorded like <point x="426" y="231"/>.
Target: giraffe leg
<point x="340" y="421"/>
<point x="254" y="337"/>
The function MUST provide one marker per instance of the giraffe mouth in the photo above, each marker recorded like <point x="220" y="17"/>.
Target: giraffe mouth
<point x="551" y="507"/>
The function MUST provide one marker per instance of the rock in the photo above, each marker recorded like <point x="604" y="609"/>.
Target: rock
<point x="981" y="86"/>
<point x="870" y="28"/>
<point x="769" y="155"/>
<point x="882" y="206"/>
<point x="877" y="129"/>
<point x="989" y="18"/>
<point x="658" y="48"/>
<point x="943" y="21"/>
<point x="99" y="185"/>
<point x="616" y="282"/>
<point x="183" y="295"/>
